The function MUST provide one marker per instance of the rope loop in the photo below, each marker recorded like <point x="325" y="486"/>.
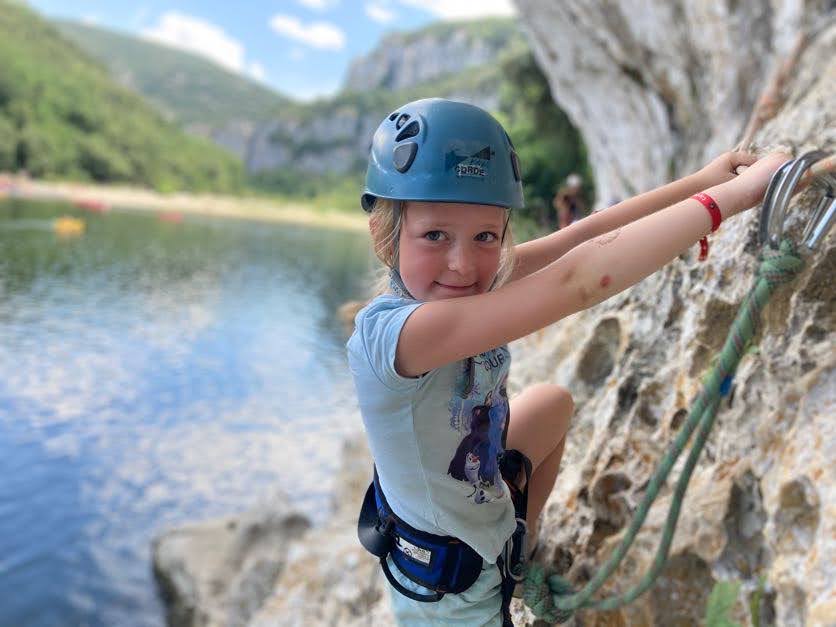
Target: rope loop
<point x="779" y="265"/>
<point x="539" y="591"/>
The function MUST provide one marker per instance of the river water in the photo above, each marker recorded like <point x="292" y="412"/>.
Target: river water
<point x="153" y="373"/>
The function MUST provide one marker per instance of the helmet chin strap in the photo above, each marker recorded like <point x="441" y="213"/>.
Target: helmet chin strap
<point x="397" y="286"/>
<point x="505" y="228"/>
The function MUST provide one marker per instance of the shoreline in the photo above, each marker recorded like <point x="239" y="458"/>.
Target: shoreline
<point x="101" y="198"/>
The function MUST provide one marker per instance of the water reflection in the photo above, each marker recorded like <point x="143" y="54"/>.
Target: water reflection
<point x="152" y="373"/>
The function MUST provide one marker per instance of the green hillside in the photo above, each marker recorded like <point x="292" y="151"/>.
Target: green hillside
<point x="62" y="116"/>
<point x="190" y="89"/>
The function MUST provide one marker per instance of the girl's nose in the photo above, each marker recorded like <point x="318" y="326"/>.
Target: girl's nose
<point x="460" y="259"/>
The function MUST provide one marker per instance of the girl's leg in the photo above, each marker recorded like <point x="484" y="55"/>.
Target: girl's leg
<point x="539" y="421"/>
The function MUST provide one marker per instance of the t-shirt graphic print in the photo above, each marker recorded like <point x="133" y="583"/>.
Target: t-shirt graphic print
<point x="479" y="414"/>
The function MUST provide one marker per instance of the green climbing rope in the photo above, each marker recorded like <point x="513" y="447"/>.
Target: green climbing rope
<point x="550" y="596"/>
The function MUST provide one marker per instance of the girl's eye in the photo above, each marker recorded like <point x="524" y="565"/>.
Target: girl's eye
<point x="434" y="236"/>
<point x="487" y="236"/>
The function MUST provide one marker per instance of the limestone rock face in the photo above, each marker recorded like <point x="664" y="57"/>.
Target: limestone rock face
<point x="218" y="573"/>
<point x="656" y="88"/>
<point x="656" y="92"/>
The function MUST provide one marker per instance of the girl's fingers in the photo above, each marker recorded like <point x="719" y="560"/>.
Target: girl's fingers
<point x="742" y="157"/>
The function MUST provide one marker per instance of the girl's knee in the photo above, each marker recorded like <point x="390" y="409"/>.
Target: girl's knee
<point x="565" y="401"/>
<point x="558" y="398"/>
<point x="550" y="405"/>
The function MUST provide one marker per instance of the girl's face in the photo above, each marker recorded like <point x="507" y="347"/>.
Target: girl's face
<point x="447" y="250"/>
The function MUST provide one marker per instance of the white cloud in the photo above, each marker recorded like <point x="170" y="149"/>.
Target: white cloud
<point x="199" y="36"/>
<point x="321" y="35"/>
<point x="456" y="9"/>
<point x="297" y="54"/>
<point x="90" y="20"/>
<point x="318" y="5"/>
<point x="379" y="13"/>
<point x="256" y="71"/>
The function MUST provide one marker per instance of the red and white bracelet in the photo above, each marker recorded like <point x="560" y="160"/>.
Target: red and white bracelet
<point x="709" y="203"/>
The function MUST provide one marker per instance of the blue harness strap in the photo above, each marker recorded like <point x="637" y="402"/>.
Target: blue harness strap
<point x="443" y="563"/>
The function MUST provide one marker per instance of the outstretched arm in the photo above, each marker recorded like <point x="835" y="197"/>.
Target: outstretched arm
<point x="443" y="331"/>
<point x="536" y="254"/>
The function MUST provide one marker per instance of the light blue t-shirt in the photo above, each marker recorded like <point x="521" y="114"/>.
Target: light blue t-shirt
<point x="434" y="438"/>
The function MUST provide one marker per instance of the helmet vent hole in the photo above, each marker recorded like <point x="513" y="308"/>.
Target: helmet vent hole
<point x="410" y="130"/>
<point x="393" y="116"/>
<point x="401" y="121"/>
<point x="404" y="155"/>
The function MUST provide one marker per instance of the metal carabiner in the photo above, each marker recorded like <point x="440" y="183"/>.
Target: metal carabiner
<point x="823" y="215"/>
<point x="777" y="197"/>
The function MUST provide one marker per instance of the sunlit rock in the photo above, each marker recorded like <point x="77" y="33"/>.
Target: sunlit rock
<point x="218" y="573"/>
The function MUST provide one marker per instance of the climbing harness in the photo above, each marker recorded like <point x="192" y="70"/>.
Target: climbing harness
<point x="443" y="564"/>
<point x="550" y="596"/>
<point x="440" y="563"/>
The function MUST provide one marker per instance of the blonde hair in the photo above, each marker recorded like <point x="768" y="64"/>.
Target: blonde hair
<point x="385" y="220"/>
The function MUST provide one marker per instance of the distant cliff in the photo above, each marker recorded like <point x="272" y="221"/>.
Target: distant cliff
<point x="455" y="60"/>
<point x="403" y="60"/>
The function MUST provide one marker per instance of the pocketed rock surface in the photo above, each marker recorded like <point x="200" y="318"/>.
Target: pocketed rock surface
<point x="762" y="500"/>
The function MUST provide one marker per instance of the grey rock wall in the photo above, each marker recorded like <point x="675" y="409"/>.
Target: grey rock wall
<point x="658" y="91"/>
<point x="656" y="88"/>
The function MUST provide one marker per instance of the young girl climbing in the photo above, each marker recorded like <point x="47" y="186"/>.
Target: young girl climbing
<point x="458" y="467"/>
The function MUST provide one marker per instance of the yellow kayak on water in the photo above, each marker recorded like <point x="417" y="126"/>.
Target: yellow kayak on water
<point x="67" y="225"/>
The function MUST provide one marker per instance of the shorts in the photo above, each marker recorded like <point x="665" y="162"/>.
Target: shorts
<point x="480" y="604"/>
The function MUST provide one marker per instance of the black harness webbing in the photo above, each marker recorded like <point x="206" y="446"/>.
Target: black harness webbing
<point x="512" y="562"/>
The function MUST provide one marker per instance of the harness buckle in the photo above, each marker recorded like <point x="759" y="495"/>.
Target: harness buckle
<point x="777" y="197"/>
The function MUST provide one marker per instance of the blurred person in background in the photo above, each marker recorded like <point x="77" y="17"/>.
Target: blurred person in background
<point x="568" y="202"/>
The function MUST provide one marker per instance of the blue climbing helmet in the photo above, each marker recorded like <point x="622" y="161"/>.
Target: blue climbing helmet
<point x="444" y="151"/>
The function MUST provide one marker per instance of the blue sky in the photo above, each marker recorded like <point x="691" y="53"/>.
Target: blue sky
<point x="299" y="47"/>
